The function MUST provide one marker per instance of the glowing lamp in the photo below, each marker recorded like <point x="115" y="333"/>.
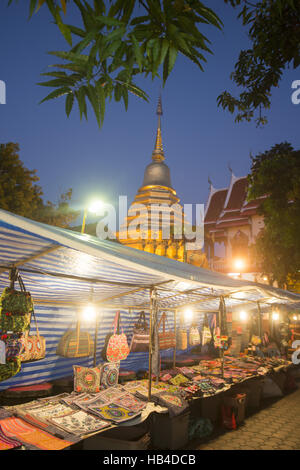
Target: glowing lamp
<point x="239" y="264"/>
<point x="275" y="316"/>
<point x="295" y="317"/>
<point x="95" y="207"/>
<point x="89" y="313"/>
<point x="188" y="314"/>
<point x="243" y="315"/>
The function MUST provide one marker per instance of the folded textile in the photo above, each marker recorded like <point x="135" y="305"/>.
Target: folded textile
<point x="113" y="412"/>
<point x="79" y="423"/>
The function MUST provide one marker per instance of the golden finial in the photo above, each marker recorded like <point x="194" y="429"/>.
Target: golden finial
<point x="158" y="153"/>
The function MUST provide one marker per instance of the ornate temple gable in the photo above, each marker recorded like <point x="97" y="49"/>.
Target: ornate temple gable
<point x="214" y="204"/>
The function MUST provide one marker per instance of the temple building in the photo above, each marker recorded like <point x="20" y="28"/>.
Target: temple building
<point x="154" y="231"/>
<point x="231" y="225"/>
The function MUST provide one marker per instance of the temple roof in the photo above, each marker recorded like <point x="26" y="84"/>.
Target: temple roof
<point x="228" y="207"/>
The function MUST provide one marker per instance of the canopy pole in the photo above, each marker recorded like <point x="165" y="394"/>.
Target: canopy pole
<point x="174" y="353"/>
<point x="150" y="342"/>
<point x="95" y="341"/>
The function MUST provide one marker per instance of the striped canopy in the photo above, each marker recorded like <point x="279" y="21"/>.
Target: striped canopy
<point x="60" y="266"/>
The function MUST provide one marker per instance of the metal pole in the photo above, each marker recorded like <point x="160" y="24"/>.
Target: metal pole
<point x="174" y="353"/>
<point x="83" y="220"/>
<point x="95" y="341"/>
<point x="150" y="344"/>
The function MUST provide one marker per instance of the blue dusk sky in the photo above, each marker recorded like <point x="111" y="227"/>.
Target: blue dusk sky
<point x="199" y="139"/>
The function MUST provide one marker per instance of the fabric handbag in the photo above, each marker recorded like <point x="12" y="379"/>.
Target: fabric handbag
<point x="13" y="348"/>
<point x="15" y="309"/>
<point x="33" y="346"/>
<point x="166" y="338"/>
<point x="140" y="338"/>
<point x="206" y="333"/>
<point x="182" y="339"/>
<point x="11" y="368"/>
<point x="117" y="347"/>
<point x="75" y="343"/>
<point x="194" y="336"/>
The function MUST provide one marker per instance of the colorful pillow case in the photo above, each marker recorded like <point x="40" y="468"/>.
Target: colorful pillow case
<point x="86" y="379"/>
<point x="109" y="374"/>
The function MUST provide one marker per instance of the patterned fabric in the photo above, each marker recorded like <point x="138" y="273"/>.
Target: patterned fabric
<point x="194" y="336"/>
<point x="140" y="337"/>
<point x="110" y="374"/>
<point x="79" y="423"/>
<point x="175" y="403"/>
<point x="6" y="442"/>
<point x="182" y="339"/>
<point x="179" y="379"/>
<point x="111" y="393"/>
<point x="33" y="347"/>
<point x="117" y="347"/>
<point x="86" y="379"/>
<point x="16" y="427"/>
<point x="11" y="368"/>
<point x="166" y="338"/>
<point x="13" y="348"/>
<point x="113" y="412"/>
<point x="72" y="344"/>
<point x="127" y="400"/>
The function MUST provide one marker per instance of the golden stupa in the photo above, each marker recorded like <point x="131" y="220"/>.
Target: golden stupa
<point x="146" y="229"/>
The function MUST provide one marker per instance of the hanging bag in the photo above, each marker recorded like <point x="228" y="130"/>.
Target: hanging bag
<point x="140" y="337"/>
<point x="194" y="336"/>
<point x="75" y="343"/>
<point x="182" y="336"/>
<point x="33" y="346"/>
<point x="117" y="347"/>
<point x="206" y="333"/>
<point x="15" y="308"/>
<point x="166" y="338"/>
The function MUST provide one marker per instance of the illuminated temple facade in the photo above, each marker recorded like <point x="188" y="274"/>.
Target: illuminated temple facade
<point x="152" y="231"/>
<point x="231" y="226"/>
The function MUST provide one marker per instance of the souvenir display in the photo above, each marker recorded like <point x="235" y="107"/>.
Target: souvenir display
<point x="75" y="343"/>
<point x="33" y="346"/>
<point x="206" y="333"/>
<point x="178" y="379"/>
<point x="79" y="423"/>
<point x="11" y="368"/>
<point x="140" y="337"/>
<point x="174" y="402"/>
<point x="129" y="401"/>
<point x="113" y="412"/>
<point x="17" y="428"/>
<point x="166" y="338"/>
<point x="109" y="374"/>
<point x="8" y="442"/>
<point x="15" y="309"/>
<point x="182" y="339"/>
<point x="117" y="347"/>
<point x="194" y="336"/>
<point x="86" y="379"/>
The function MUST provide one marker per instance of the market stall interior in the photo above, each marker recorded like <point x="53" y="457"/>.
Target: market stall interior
<point x="124" y="323"/>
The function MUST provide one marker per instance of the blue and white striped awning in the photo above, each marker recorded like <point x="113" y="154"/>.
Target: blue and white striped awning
<point x="61" y="266"/>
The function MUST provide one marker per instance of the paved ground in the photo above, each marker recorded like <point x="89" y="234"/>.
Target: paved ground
<point x="275" y="427"/>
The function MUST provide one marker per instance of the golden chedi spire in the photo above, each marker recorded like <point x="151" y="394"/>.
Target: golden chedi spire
<point x="158" y="153"/>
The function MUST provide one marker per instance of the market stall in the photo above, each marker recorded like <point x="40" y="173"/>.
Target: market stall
<point x="78" y="284"/>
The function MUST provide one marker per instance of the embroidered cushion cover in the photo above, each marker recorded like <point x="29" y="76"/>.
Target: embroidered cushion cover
<point x="113" y="412"/>
<point x="86" y="379"/>
<point x="109" y="374"/>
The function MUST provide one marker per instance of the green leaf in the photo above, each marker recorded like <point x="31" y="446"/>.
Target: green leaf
<point x="137" y="52"/>
<point x="69" y="103"/>
<point x="56" y="94"/>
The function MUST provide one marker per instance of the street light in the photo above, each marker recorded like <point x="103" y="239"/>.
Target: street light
<point x="94" y="207"/>
<point x="239" y="264"/>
